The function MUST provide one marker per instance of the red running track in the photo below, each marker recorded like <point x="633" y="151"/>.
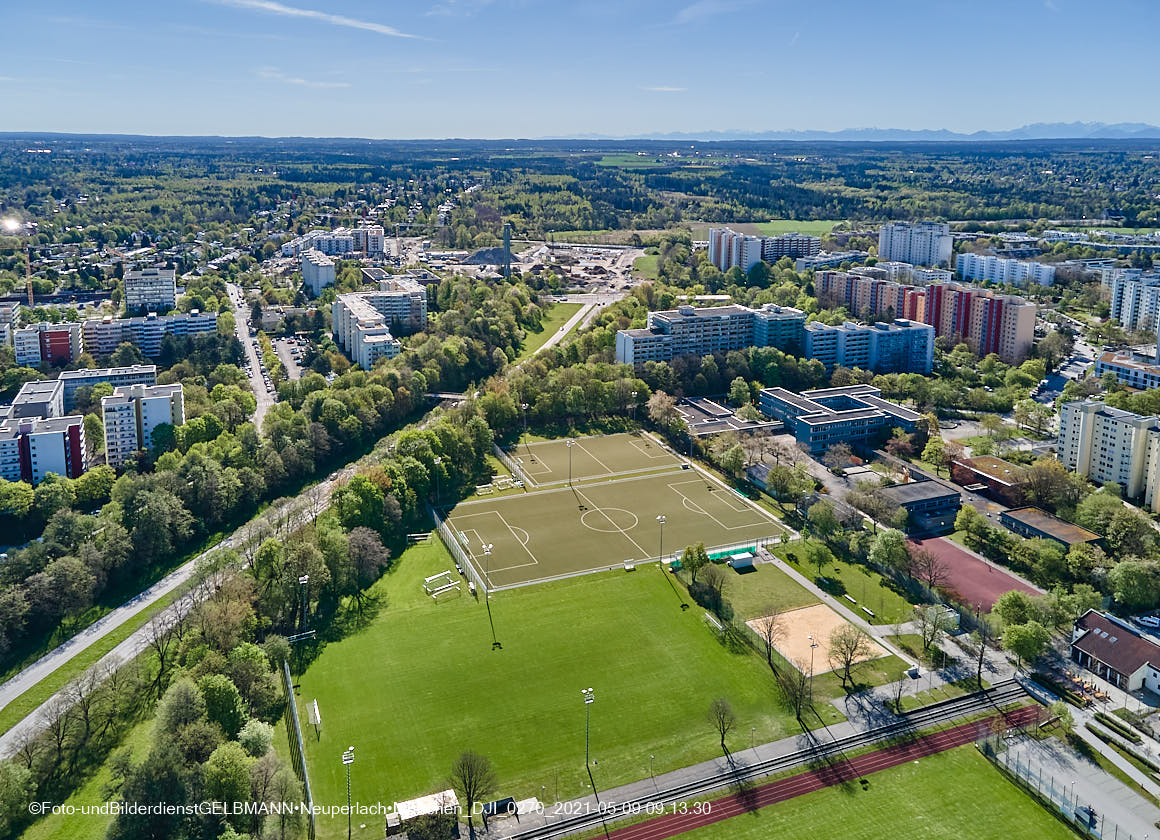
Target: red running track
<point x="977" y="583"/>
<point x="853" y="769"/>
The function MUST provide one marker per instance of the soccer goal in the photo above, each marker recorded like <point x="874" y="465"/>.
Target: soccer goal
<point x="440" y="584"/>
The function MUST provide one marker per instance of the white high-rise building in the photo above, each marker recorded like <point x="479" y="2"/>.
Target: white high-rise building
<point x="987" y="267"/>
<point x="362" y="331"/>
<point x="1110" y="445"/>
<point x="1134" y="297"/>
<point x="151" y="289"/>
<point x="917" y="243"/>
<point x="369" y="239"/>
<point x="132" y="413"/>
<point x="317" y="271"/>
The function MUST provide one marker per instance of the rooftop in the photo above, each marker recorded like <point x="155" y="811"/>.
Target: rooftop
<point x="1053" y="526"/>
<point x="917" y="491"/>
<point x="128" y="370"/>
<point x="996" y="469"/>
<point x="1114" y="644"/>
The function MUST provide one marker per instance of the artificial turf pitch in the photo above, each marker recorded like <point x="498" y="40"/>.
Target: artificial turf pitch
<point x="585" y="527"/>
<point x="554" y="461"/>
<point x="418" y="683"/>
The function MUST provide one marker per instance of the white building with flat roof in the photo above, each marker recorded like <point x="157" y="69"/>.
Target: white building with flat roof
<point x="151" y="289"/>
<point x="104" y="335"/>
<point x="31" y="448"/>
<point x="989" y="268"/>
<point x="131" y="414"/>
<point x="1110" y="445"/>
<point x="917" y="243"/>
<point x="689" y="330"/>
<point x="71" y="380"/>
<point x="362" y="331"/>
<point x="317" y="271"/>
<point x="1134" y="297"/>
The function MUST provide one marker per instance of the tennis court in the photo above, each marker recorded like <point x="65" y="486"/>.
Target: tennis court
<point x="547" y="462"/>
<point x="565" y="530"/>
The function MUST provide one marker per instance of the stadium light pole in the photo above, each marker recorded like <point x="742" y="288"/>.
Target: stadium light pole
<point x="524" y="409"/>
<point x="303" y="581"/>
<point x="632" y="407"/>
<point x="437" y="462"/>
<point x="589" y="698"/>
<point x="662" y="519"/>
<point x="569" y="443"/>
<point x="347" y="761"/>
<point x="495" y="645"/>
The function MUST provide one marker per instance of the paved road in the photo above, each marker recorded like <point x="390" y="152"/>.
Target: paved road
<point x="264" y="398"/>
<point x="305" y="506"/>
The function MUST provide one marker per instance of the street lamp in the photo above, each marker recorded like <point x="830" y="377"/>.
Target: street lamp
<point x="495" y="645"/>
<point x="651" y="773"/>
<point x="661" y="519"/>
<point x="347" y="761"/>
<point x="589" y="696"/>
<point x="569" y="443"/>
<point x="813" y="644"/>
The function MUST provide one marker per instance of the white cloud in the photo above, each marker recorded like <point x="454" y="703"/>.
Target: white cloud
<point x="663" y="88"/>
<point x="276" y="75"/>
<point x="313" y="14"/>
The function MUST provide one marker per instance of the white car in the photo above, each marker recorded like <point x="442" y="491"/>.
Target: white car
<point x="1147" y="620"/>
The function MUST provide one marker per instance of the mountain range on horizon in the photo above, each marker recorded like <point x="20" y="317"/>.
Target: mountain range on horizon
<point x="1033" y="131"/>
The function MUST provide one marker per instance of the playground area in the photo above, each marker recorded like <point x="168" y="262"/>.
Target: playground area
<point x="806" y="632"/>
<point x="587" y="458"/>
<point x="587" y="527"/>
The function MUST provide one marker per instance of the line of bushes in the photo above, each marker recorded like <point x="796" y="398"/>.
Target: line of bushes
<point x="1144" y="764"/>
<point x="1119" y="727"/>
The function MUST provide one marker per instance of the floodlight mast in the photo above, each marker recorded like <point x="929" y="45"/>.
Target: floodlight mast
<point x="495" y="644"/>
<point x="348" y="760"/>
<point x="589" y="696"/>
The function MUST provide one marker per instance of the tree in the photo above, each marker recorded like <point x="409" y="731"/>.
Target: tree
<point x="739" y="391"/>
<point x="693" y="559"/>
<point x="223" y="703"/>
<point x="1014" y="607"/>
<point x="94" y="434"/>
<point x="1130" y="533"/>
<point x="1027" y="641"/>
<point x="793" y="683"/>
<point x="837" y="456"/>
<point x="369" y="558"/>
<point x="932" y="621"/>
<point x="900" y="445"/>
<point x="256" y="737"/>
<point x="227" y="778"/>
<point x="822" y="519"/>
<point x="771" y="628"/>
<point x="889" y="551"/>
<point x="928" y="567"/>
<point x="1062" y="714"/>
<point x="819" y="556"/>
<point x="934" y="453"/>
<point x="16" y="790"/>
<point x="714" y="581"/>
<point x="662" y="410"/>
<point x="849" y="645"/>
<point x="983" y="636"/>
<point x="1135" y="584"/>
<point x="473" y="777"/>
<point x="722" y="719"/>
<point x="733" y="461"/>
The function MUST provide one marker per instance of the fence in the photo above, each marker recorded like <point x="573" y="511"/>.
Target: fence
<point x="451" y="540"/>
<point x="297" y="750"/>
<point x="514" y="468"/>
<point x="1056" y="794"/>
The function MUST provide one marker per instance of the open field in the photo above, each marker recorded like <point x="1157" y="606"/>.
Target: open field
<point x="634" y="161"/>
<point x="419" y="683"/>
<point x="646" y="266"/>
<point x="606" y="456"/>
<point x="571" y="530"/>
<point x="976" y="582"/>
<point x="755" y="593"/>
<point x="772" y="227"/>
<point x="952" y="794"/>
<point x="864" y="585"/>
<point x="556" y="316"/>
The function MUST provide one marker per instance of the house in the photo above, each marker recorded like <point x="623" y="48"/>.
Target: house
<point x="1113" y="651"/>
<point x="1032" y="522"/>
<point x="930" y="505"/>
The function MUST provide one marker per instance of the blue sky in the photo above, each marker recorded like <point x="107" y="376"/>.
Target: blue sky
<point x="534" y="68"/>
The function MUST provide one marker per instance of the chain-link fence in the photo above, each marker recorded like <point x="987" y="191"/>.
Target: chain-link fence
<point x="297" y="750"/>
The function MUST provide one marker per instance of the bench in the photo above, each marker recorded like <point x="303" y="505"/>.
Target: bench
<point x="868" y="611"/>
<point x="850" y="599"/>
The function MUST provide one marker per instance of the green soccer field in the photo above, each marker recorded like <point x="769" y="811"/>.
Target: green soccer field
<point x="586" y="527"/>
<point x="419" y="683"/>
<point x="553" y="461"/>
<point x="953" y="794"/>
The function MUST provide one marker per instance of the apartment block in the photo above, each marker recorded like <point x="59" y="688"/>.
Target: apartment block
<point x="133" y="412"/>
<point x="792" y="245"/>
<point x="41" y="399"/>
<point x="900" y="346"/>
<point x="150" y="289"/>
<point x="988" y="322"/>
<point x="71" y="380"/>
<point x="362" y="331"/>
<point x="317" y="271"/>
<point x="31" y="448"/>
<point x="45" y="343"/>
<point x="818" y="419"/>
<point x="728" y="248"/>
<point x="368" y="239"/>
<point x="1136" y="370"/>
<point x="1134" y="297"/>
<point x="917" y="243"/>
<point x="104" y="335"/>
<point x="988" y="268"/>
<point x="9" y="312"/>
<point x="1110" y="445"/>
<point x="827" y="259"/>
<point x="689" y="330"/>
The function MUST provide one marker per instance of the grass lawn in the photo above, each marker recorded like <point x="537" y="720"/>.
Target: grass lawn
<point x="912" y="644"/>
<point x="864" y="585"/>
<point x="770" y="227"/>
<point x="419" y="683"/>
<point x="646" y="267"/>
<point x="556" y="316"/>
<point x="766" y="586"/>
<point x="953" y="794"/>
<point x="635" y="161"/>
<point x="90" y="826"/>
<point x="947" y="691"/>
<point x="24" y="705"/>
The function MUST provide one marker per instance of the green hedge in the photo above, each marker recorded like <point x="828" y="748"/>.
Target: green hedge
<point x="1124" y="749"/>
<point x="1068" y="696"/>
<point x="1119" y="727"/>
